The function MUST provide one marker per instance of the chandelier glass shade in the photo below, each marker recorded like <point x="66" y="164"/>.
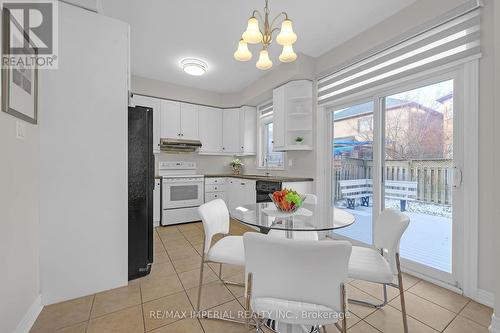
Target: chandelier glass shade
<point x="262" y="33"/>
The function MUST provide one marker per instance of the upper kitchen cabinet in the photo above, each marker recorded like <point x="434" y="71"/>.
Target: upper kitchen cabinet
<point x="293" y="116"/>
<point x="231" y="131"/>
<point x="155" y="104"/>
<point x="248" y="130"/>
<point x="210" y="129"/>
<point x="179" y="120"/>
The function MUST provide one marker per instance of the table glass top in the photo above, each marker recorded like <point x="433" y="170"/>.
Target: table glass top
<point x="265" y="215"/>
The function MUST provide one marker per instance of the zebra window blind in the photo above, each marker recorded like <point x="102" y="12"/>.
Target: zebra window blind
<point x="266" y="110"/>
<point x="451" y="40"/>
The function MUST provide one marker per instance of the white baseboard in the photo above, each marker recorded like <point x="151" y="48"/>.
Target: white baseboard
<point x="484" y="297"/>
<point x="495" y="324"/>
<point x="30" y="317"/>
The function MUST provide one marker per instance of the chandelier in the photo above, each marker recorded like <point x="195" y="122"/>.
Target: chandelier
<point x="263" y="33"/>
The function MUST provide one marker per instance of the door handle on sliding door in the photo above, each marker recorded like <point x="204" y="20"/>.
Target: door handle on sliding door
<point x="457" y="174"/>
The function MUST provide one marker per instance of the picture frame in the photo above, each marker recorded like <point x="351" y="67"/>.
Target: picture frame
<point x="19" y="83"/>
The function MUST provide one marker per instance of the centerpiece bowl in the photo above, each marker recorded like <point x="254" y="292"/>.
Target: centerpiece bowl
<point x="287" y="201"/>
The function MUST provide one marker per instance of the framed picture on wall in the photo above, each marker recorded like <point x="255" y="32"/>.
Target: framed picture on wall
<point x="19" y="77"/>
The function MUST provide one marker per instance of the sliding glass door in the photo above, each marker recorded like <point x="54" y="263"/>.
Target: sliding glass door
<point x="399" y="150"/>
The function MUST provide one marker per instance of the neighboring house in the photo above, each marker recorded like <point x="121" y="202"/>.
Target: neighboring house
<point x="447" y="111"/>
<point x="412" y="130"/>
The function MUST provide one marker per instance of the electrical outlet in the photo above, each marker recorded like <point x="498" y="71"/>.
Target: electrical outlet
<point x="20" y="130"/>
<point x="290" y="162"/>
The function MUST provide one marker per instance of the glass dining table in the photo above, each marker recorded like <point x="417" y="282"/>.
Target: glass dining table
<point x="266" y="217"/>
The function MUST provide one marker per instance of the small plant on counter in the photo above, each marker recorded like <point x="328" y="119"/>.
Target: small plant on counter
<point x="299" y="139"/>
<point x="236" y="165"/>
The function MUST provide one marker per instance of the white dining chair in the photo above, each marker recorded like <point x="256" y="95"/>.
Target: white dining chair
<point x="297" y="279"/>
<point x="381" y="264"/>
<point x="228" y="250"/>
<point x="310" y="203"/>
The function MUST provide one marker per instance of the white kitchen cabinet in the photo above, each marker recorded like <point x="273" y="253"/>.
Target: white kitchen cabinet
<point x="240" y="192"/>
<point x="215" y="189"/>
<point x="179" y="120"/>
<point x="157" y="203"/>
<point x="155" y="104"/>
<point x="170" y="119"/>
<point x="189" y="122"/>
<point x="230" y="131"/>
<point x="293" y="116"/>
<point x="248" y="130"/>
<point x="210" y="129"/>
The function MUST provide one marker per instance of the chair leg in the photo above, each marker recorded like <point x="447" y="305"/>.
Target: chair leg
<point x="344" y="308"/>
<point x="376" y="306"/>
<point x="402" y="294"/>
<point x="248" y="295"/>
<point x="220" y="271"/>
<point x="198" y="302"/>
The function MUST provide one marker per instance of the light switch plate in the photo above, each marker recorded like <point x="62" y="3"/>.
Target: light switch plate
<point x="290" y="162"/>
<point x="20" y="130"/>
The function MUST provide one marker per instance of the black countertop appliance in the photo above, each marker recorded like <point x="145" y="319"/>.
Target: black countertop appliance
<point x="266" y="187"/>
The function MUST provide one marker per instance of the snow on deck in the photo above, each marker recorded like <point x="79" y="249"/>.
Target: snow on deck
<point x="426" y="241"/>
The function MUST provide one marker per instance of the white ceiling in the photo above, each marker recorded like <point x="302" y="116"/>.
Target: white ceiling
<point x="165" y="31"/>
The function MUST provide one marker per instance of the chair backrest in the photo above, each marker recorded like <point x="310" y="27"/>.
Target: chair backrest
<point x="215" y="218"/>
<point x="388" y="231"/>
<point x="297" y="270"/>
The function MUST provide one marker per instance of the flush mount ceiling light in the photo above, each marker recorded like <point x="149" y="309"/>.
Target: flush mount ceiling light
<point x="195" y="67"/>
<point x="257" y="33"/>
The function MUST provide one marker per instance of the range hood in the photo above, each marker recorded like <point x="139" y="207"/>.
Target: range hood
<point x="179" y="145"/>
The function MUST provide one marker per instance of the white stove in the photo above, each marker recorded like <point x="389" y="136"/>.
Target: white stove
<point x="183" y="192"/>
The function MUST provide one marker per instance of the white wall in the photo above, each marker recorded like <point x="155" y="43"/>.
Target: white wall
<point x="19" y="217"/>
<point x="83" y="158"/>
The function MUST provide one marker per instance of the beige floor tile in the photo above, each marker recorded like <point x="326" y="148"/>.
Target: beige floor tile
<point x="212" y="294"/>
<point x="160" y="270"/>
<point x="389" y="319"/>
<point x="63" y="314"/>
<point x="363" y="327"/>
<point x="183" y="253"/>
<point x="165" y="238"/>
<point x="198" y="247"/>
<point x="124" y="321"/>
<point x="479" y="313"/>
<point x="186" y="227"/>
<point x="409" y="281"/>
<point x="228" y="270"/>
<point x="187" y="264"/>
<point x="78" y="328"/>
<point x="444" y="297"/>
<point x="351" y="321"/>
<point x="160" y="257"/>
<point x="358" y="310"/>
<point x="427" y="312"/>
<point x="232" y="310"/>
<point x="181" y="326"/>
<point x="464" y="325"/>
<point x="190" y="279"/>
<point x="177" y="243"/>
<point x="160" y="287"/>
<point x="166" y="310"/>
<point x="375" y="289"/>
<point x="162" y="231"/>
<point x="116" y="299"/>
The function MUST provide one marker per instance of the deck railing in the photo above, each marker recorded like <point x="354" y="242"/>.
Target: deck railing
<point x="434" y="177"/>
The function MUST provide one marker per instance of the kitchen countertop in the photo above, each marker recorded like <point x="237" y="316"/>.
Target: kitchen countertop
<point x="262" y="177"/>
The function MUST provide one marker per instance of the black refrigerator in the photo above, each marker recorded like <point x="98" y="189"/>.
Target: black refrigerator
<point x="141" y="183"/>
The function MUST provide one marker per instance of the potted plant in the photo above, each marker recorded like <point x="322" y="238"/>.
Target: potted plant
<point x="299" y="140"/>
<point x="236" y="165"/>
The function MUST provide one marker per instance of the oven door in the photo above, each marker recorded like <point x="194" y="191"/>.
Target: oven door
<point x="182" y="192"/>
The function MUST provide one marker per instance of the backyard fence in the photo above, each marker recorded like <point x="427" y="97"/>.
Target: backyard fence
<point x="433" y="177"/>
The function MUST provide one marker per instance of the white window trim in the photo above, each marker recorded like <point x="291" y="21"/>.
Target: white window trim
<point x="468" y="71"/>
<point x="260" y="122"/>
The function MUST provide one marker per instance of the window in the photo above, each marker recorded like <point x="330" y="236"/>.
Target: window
<point x="365" y="124"/>
<point x="268" y="158"/>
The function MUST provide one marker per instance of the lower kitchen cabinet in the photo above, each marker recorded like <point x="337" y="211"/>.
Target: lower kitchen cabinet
<point x="240" y="192"/>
